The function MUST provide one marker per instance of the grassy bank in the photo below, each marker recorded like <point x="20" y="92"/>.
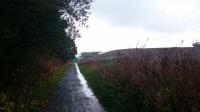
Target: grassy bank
<point x="44" y="91"/>
<point x="170" y="79"/>
<point x="113" y="97"/>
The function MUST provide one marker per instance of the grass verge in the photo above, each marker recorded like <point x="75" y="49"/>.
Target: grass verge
<point x="44" y="91"/>
<point x="115" y="98"/>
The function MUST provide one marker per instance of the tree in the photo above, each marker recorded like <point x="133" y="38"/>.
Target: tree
<point x="30" y="28"/>
<point x="196" y="44"/>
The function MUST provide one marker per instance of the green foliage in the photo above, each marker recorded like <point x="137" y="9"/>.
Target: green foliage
<point x="29" y="31"/>
<point x="38" y="26"/>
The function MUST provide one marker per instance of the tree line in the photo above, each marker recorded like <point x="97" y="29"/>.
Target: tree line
<point x="32" y="32"/>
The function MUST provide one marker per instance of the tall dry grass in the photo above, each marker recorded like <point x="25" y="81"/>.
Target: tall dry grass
<point x="171" y="78"/>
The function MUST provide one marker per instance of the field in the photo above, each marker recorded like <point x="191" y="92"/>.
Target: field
<point x="143" y="81"/>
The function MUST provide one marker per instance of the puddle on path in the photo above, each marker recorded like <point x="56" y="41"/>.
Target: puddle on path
<point x="86" y="90"/>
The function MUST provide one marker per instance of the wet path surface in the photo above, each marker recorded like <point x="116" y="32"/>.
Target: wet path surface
<point x="73" y="95"/>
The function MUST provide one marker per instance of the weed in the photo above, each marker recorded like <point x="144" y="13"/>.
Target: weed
<point x="168" y="77"/>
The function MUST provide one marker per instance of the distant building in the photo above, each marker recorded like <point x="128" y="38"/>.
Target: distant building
<point x="88" y="54"/>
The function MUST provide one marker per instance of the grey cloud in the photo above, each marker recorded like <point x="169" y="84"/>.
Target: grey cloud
<point x="137" y="13"/>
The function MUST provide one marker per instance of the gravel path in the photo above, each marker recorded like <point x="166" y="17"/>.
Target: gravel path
<point x="73" y="94"/>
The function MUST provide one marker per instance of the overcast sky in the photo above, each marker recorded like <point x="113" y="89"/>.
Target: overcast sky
<point x="119" y="24"/>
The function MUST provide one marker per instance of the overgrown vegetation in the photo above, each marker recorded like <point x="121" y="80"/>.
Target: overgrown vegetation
<point x="35" y="37"/>
<point x="43" y="92"/>
<point x="168" y="80"/>
<point x="40" y="94"/>
<point x="113" y="97"/>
